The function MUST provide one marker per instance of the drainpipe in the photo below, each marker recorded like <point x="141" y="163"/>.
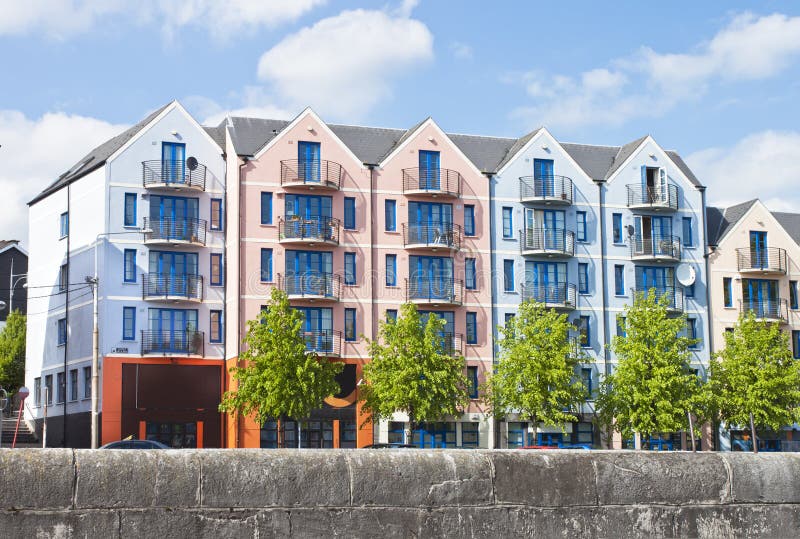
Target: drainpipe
<point x="237" y="422"/>
<point x="66" y="320"/>
<point x="606" y="337"/>
<point x="706" y="253"/>
<point x="492" y="280"/>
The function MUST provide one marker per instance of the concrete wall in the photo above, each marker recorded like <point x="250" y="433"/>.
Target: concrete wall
<point x="325" y="493"/>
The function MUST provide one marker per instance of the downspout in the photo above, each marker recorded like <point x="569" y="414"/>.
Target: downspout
<point x="493" y="275"/>
<point x="224" y="224"/>
<point x="373" y="300"/>
<point x="237" y="424"/>
<point x="706" y="254"/>
<point x="66" y="319"/>
<point x="606" y="354"/>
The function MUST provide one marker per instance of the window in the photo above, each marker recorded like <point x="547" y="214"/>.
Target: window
<point x="617" y="227"/>
<point x="795" y="345"/>
<point x="508" y="223"/>
<point x="350" y="325"/>
<point x="619" y="280"/>
<point x="129" y="218"/>
<point x="508" y="318"/>
<point x="61" y="390"/>
<point x="128" y="323"/>
<point x="583" y="278"/>
<point x="349" y="213"/>
<point x="266" y="208"/>
<point x="350" y="268"/>
<point x="48" y="388"/>
<point x="688" y="240"/>
<point x="87" y="382"/>
<point x="580" y="233"/>
<point x="129" y="263"/>
<point x="586" y="379"/>
<point x="216" y="269"/>
<point x="472" y="328"/>
<point x="266" y="265"/>
<point x="216" y="214"/>
<point x="63" y="222"/>
<point x="37" y="392"/>
<point x="391" y="216"/>
<point x="691" y="331"/>
<point x="391" y="270"/>
<point x="793" y="294"/>
<point x="584" y="332"/>
<point x="469" y="220"/>
<point x="62" y="331"/>
<point x="472" y="377"/>
<point x="391" y="315"/>
<point x="73" y="384"/>
<point x="62" y="278"/>
<point x="689" y="291"/>
<point x="727" y="291"/>
<point x="508" y="275"/>
<point x="621" y="322"/>
<point x="215" y="329"/>
<point x="469" y="274"/>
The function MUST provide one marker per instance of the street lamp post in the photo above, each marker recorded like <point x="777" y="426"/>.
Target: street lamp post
<point x="12" y="283"/>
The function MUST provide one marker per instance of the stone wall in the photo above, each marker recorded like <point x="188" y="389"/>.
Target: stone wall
<point x="396" y="493"/>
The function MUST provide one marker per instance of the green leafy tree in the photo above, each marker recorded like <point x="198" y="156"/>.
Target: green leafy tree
<point x="413" y="370"/>
<point x="756" y="381"/>
<point x="12" y="352"/>
<point x="278" y="378"/>
<point x="536" y="373"/>
<point x="653" y="388"/>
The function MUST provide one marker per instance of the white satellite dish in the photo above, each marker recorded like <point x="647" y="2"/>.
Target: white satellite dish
<point x="685" y="274"/>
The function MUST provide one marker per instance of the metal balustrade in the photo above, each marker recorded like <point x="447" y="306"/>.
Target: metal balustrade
<point x="432" y="181"/>
<point x="444" y="290"/>
<point x="656" y="247"/>
<point x="548" y="189"/>
<point x="675" y="298"/>
<point x="174" y="174"/>
<point x="315" y="229"/>
<point x="324" y="342"/>
<point x="438" y="236"/>
<point x="311" y="285"/>
<point x="453" y="344"/>
<point x="165" y="287"/>
<point x="652" y="198"/>
<point x="770" y="309"/>
<point x="766" y="260"/>
<point x="549" y="241"/>
<point x="171" y="230"/>
<point x="560" y="295"/>
<point x="173" y="342"/>
<point x="312" y="173"/>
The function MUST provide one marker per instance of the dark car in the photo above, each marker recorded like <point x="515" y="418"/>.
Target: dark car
<point x="135" y="444"/>
<point x="390" y="446"/>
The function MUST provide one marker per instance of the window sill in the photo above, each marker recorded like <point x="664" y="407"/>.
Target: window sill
<point x="215" y="230"/>
<point x="511" y="292"/>
<point x="268" y="225"/>
<point x="509" y="238"/>
<point x="620" y="295"/>
<point x="391" y="232"/>
<point x="472" y="236"/>
<point x="215" y="342"/>
<point x="134" y="283"/>
<point x="585" y="293"/>
<point x="61" y="344"/>
<point x="216" y="285"/>
<point x="620" y="244"/>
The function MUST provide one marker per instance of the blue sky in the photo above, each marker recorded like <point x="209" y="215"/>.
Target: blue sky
<point x="717" y="81"/>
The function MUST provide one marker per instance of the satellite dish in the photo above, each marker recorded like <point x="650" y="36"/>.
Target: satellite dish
<point x="191" y="163"/>
<point x="685" y="274"/>
<point x="630" y="230"/>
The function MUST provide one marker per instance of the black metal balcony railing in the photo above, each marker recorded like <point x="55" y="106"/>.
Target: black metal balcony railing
<point x="172" y="342"/>
<point x="443" y="235"/>
<point x="562" y="295"/>
<point x="172" y="287"/>
<point x="174" y="174"/>
<point x="766" y="308"/>
<point x="653" y="197"/>
<point x="674" y="295"/>
<point x="558" y="189"/>
<point x="312" y="173"/>
<point x="657" y="246"/>
<point x="324" y="342"/>
<point x="547" y="240"/>
<point x="766" y="260"/>
<point x="453" y="344"/>
<point x="435" y="181"/>
<point x="309" y="229"/>
<point x="175" y="230"/>
<point x="311" y="285"/>
<point x="443" y="290"/>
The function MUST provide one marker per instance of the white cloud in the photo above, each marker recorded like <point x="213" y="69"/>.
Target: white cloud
<point x="648" y="83"/>
<point x="763" y="165"/>
<point x="35" y="152"/>
<point x="461" y="50"/>
<point x="253" y="103"/>
<point x="344" y="65"/>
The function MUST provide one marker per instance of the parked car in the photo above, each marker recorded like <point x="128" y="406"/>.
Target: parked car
<point x="135" y="444"/>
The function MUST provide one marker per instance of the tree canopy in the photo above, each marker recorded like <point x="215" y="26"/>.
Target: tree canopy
<point x="12" y="352"/>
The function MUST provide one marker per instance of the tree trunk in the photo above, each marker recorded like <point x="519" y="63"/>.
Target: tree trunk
<point x="637" y="441"/>
<point x="753" y="434"/>
<point x="299" y="428"/>
<point x="691" y="430"/>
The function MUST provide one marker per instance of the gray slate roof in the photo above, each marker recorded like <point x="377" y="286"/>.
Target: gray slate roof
<point x="622" y="155"/>
<point x="594" y="160"/>
<point x="720" y="220"/>
<point x="790" y="222"/>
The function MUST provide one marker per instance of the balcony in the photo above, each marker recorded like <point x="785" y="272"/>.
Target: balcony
<point x="767" y="309"/>
<point x="324" y="342"/>
<point x="186" y="341"/>
<point x="562" y="296"/>
<point x="550" y="242"/>
<point x="442" y="236"/>
<point x="312" y="286"/>
<point x="767" y="261"/>
<point x="453" y="344"/>
<point x="175" y="231"/>
<point x="674" y="296"/>
<point x="656" y="248"/>
<point x="309" y="231"/>
<point x="439" y="182"/>
<point x="549" y="190"/>
<point x="652" y="199"/>
<point x="443" y="291"/>
<point x="159" y="287"/>
<point x="175" y="175"/>
<point x="312" y="174"/>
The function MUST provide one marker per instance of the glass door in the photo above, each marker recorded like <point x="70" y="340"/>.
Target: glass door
<point x="547" y="281"/>
<point x="761" y="297"/>
<point x="173" y="156"/>
<point x="318" y="329"/>
<point x="544" y="181"/>
<point x="758" y="249"/>
<point x="429" y="170"/>
<point x="432" y="277"/>
<point x="308" y="162"/>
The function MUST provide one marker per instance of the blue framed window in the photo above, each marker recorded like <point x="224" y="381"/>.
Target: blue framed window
<point x="616" y="220"/>
<point x="266" y="265"/>
<point x="350" y="268"/>
<point x="391" y="315"/>
<point x="128" y="323"/>
<point x="583" y="278"/>
<point x="688" y="237"/>
<point x="580" y="232"/>
<point x="508" y="317"/>
<point x="689" y="291"/>
<point x="472" y="377"/>
<point x="469" y="220"/>
<point x="216" y="214"/>
<point x="469" y="274"/>
<point x="727" y="291"/>
<point x="216" y="269"/>
<point x="508" y="275"/>
<point x="129" y="265"/>
<point x="621" y="325"/>
<point x="63" y="222"/>
<point x="796" y="344"/>
<point x="584" y="331"/>
<point x="62" y="278"/>
<point x="391" y="270"/>
<point x="586" y="378"/>
<point x="619" y="280"/>
<point x="129" y="214"/>
<point x="350" y="325"/>
<point x="472" y="328"/>
<point x="62" y="331"/>
<point x="508" y="223"/>
<point x="391" y="215"/>
<point x="215" y="326"/>
<point x="266" y="208"/>
<point x="793" y="294"/>
<point x="349" y="213"/>
<point x="691" y="331"/>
